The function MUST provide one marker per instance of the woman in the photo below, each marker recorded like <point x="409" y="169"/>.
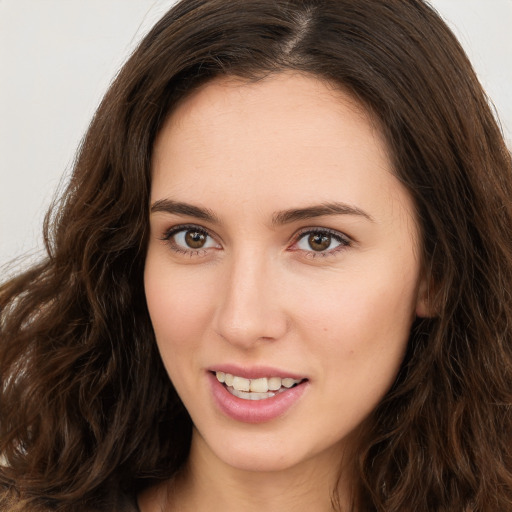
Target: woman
<point x="279" y="278"/>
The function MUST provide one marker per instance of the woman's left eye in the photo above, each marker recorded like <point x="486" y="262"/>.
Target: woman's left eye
<point x="321" y="242"/>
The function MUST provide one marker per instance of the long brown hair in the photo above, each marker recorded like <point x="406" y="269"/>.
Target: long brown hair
<point x="85" y="404"/>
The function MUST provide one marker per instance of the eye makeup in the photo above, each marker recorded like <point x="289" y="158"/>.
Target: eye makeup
<point x="195" y="240"/>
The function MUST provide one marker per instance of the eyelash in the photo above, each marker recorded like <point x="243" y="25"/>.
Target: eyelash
<point x="170" y="233"/>
<point x="343" y="240"/>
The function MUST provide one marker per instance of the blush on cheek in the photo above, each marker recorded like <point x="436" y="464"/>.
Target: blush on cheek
<point x="177" y="318"/>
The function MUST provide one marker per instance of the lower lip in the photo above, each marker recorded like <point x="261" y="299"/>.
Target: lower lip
<point x="254" y="411"/>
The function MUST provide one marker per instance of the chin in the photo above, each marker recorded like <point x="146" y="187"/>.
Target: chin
<point x="270" y="452"/>
<point x="254" y="452"/>
<point x="259" y="461"/>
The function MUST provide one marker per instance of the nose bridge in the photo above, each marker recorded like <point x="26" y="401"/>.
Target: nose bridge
<point x="249" y="308"/>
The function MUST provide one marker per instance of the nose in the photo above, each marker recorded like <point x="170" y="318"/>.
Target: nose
<point x="250" y="308"/>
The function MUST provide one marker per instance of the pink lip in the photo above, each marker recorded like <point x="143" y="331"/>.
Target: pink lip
<point x="254" y="372"/>
<point x="254" y="411"/>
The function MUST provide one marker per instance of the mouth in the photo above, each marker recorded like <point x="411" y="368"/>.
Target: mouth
<point x="255" y="395"/>
<point x="256" y="389"/>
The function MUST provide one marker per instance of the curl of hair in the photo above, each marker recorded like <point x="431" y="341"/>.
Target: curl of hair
<point x="85" y="404"/>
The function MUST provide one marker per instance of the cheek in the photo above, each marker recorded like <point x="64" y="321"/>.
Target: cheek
<point x="179" y="309"/>
<point x="364" y="301"/>
<point x="361" y="324"/>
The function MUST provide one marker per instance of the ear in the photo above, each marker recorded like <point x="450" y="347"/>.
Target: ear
<point x="424" y="302"/>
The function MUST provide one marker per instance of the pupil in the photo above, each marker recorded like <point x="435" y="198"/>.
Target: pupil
<point x="319" y="242"/>
<point x="195" y="239"/>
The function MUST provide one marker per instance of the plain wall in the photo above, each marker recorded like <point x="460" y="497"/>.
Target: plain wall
<point x="57" y="58"/>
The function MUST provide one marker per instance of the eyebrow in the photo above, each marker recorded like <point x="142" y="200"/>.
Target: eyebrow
<point x="279" y="218"/>
<point x="293" y="215"/>
<point x="176" y="207"/>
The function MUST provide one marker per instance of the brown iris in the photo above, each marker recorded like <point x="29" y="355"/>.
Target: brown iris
<point x="195" y="239"/>
<point x="319" y="241"/>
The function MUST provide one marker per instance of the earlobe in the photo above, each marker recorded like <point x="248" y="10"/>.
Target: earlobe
<point x="424" y="304"/>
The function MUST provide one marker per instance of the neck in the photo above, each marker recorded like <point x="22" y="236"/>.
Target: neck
<point x="208" y="480"/>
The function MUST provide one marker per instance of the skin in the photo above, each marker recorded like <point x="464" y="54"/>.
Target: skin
<point x="257" y="294"/>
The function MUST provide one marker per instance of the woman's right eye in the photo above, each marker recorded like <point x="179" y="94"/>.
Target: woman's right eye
<point x="190" y="239"/>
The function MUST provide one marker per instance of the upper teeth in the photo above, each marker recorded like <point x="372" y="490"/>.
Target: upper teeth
<point x="262" y="385"/>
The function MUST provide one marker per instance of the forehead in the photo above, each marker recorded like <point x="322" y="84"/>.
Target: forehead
<point x="286" y="96"/>
<point x="288" y="137"/>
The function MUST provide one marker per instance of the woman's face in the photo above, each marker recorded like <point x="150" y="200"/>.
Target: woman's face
<point x="283" y="252"/>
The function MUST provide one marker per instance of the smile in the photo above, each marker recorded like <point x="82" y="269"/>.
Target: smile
<point x="258" y="399"/>
<point x="255" y="389"/>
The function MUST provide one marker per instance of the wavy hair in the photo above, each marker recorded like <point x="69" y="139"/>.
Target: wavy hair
<point x="85" y="403"/>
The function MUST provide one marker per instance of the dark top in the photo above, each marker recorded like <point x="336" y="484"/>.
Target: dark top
<point x="119" y="502"/>
<point x="127" y="504"/>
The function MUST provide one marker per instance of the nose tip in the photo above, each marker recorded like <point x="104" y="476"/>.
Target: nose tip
<point x="250" y="310"/>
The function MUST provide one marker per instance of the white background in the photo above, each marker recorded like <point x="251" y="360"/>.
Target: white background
<point x="57" y="58"/>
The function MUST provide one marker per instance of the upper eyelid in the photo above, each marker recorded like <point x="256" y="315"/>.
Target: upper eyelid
<point x="301" y="231"/>
<point x="318" y="229"/>
<point x="184" y="227"/>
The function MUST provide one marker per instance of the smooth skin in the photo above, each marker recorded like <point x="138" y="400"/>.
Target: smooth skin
<point x="279" y="237"/>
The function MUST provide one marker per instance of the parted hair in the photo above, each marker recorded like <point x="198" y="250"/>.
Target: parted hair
<point x="86" y="407"/>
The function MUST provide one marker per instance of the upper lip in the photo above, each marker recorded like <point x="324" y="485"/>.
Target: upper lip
<point x="255" y="372"/>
